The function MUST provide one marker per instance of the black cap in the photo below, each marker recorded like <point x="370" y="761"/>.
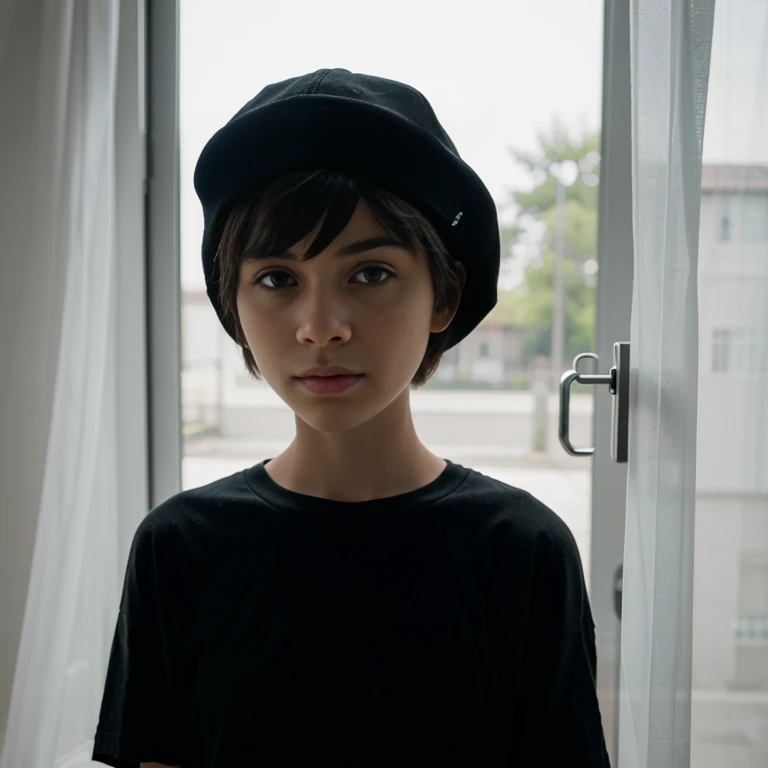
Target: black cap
<point x="382" y="129"/>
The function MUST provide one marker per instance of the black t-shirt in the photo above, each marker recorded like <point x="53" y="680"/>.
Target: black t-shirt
<point x="263" y="627"/>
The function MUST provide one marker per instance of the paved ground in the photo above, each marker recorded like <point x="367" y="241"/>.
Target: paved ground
<point x="729" y="729"/>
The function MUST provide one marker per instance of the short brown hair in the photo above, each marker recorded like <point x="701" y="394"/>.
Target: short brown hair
<point x="288" y="210"/>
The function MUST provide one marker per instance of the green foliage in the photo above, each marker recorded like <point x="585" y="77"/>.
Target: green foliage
<point x="534" y="297"/>
<point x="580" y="230"/>
<point x="557" y="146"/>
<point x="509" y="236"/>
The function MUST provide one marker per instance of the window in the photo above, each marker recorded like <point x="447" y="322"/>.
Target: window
<point x="736" y="350"/>
<point x="726" y="228"/>
<point x="744" y="217"/>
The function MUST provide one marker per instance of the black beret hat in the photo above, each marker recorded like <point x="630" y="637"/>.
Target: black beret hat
<point x="383" y="130"/>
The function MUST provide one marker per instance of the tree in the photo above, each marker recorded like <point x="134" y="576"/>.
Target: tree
<point x="537" y="207"/>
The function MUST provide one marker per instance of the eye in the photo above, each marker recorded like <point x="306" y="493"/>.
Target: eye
<point x="270" y="274"/>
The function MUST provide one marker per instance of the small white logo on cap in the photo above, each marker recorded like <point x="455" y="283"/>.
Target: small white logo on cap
<point x="456" y="220"/>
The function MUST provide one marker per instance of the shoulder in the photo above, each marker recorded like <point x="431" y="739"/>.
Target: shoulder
<point x="177" y="536"/>
<point x="526" y="515"/>
<point x="172" y="545"/>
<point x="539" y="548"/>
<point x="193" y="512"/>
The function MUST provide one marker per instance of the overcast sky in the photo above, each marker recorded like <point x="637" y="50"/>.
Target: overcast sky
<point x="495" y="73"/>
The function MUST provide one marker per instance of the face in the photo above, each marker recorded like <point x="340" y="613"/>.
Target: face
<point x="371" y="312"/>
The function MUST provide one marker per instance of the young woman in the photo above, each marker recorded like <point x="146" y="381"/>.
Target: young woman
<point x="355" y="600"/>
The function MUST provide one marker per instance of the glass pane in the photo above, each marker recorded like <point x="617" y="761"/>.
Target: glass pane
<point x="730" y="617"/>
<point x="521" y="98"/>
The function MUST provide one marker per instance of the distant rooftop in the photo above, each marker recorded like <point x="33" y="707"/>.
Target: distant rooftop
<point x="734" y="178"/>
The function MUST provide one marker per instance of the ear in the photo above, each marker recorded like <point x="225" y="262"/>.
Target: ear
<point x="441" y="320"/>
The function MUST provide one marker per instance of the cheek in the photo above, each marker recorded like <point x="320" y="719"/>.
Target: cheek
<point x="251" y="314"/>
<point x="402" y="329"/>
<point x="395" y="320"/>
<point x="408" y="312"/>
<point x="257" y="327"/>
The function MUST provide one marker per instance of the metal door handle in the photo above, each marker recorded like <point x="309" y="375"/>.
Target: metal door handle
<point x="618" y="384"/>
<point x="618" y="589"/>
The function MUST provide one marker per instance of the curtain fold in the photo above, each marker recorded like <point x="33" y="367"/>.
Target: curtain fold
<point x="64" y="56"/>
<point x="730" y="640"/>
<point x="670" y="42"/>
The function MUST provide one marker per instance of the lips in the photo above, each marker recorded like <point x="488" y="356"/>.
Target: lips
<point x="325" y="372"/>
<point x="326" y="385"/>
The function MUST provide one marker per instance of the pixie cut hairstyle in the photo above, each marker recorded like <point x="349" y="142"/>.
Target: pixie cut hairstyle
<point x="288" y="210"/>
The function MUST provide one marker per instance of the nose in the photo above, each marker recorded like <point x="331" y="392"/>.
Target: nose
<point x="322" y="322"/>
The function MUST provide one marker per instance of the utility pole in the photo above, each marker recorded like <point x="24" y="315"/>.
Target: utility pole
<point x="558" y="315"/>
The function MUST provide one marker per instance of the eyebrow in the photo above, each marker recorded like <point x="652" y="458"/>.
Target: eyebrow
<point x="351" y="249"/>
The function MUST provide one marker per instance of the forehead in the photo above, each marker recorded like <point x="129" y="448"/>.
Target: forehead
<point x="361" y="225"/>
<point x="363" y="233"/>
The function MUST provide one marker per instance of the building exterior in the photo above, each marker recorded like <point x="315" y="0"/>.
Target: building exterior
<point x="731" y="566"/>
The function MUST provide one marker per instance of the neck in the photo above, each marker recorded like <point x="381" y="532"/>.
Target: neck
<point x="383" y="457"/>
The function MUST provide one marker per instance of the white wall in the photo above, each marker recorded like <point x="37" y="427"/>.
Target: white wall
<point x="28" y="370"/>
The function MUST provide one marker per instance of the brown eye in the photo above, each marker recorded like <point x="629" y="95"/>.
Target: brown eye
<point x="377" y="269"/>
<point x="272" y="273"/>
<point x="258" y="280"/>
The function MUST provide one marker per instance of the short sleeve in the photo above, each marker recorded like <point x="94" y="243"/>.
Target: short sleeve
<point x="571" y="705"/>
<point x="561" y="709"/>
<point x="139" y="717"/>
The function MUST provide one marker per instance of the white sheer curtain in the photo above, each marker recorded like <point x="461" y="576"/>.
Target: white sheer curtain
<point x="670" y="44"/>
<point x="730" y="617"/>
<point x="58" y="220"/>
